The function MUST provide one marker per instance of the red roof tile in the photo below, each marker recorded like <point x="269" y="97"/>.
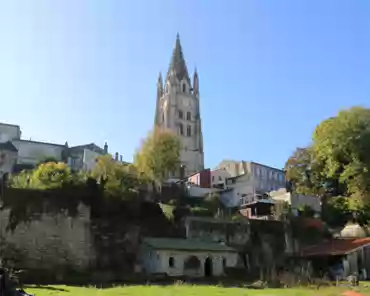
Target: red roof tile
<point x="335" y="247"/>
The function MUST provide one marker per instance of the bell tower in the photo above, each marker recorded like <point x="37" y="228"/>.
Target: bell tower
<point x="178" y="109"/>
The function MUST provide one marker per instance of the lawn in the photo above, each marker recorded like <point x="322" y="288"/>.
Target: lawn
<point x="179" y="290"/>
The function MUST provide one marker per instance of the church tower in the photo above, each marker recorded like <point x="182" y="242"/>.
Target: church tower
<point x="178" y="109"/>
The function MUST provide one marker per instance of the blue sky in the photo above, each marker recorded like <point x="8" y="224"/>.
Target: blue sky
<point x="270" y="71"/>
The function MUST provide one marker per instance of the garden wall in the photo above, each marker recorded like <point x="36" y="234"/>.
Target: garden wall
<point x="49" y="242"/>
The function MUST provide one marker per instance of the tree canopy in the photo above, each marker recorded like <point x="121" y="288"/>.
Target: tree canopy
<point x="49" y="175"/>
<point x="158" y="155"/>
<point x="338" y="161"/>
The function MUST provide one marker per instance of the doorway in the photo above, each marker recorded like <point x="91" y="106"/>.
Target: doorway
<point x="208" y="267"/>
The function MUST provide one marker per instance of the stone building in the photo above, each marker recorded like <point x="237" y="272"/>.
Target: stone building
<point x="178" y="109"/>
<point x="186" y="257"/>
<point x="18" y="154"/>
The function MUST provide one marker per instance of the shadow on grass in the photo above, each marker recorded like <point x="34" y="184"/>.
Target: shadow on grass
<point x="41" y="287"/>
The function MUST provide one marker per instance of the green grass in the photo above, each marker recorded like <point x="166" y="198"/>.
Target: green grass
<point x="179" y="290"/>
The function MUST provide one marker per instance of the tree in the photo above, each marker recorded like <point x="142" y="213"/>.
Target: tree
<point x="338" y="161"/>
<point x="302" y="174"/>
<point x="341" y="145"/>
<point x="159" y="155"/>
<point x="118" y="179"/>
<point x="47" y="159"/>
<point x="49" y="175"/>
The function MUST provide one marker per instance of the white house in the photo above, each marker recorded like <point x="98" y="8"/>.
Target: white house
<point x="297" y="201"/>
<point x="185" y="257"/>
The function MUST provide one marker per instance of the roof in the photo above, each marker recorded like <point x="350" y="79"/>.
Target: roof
<point x="335" y="247"/>
<point x="91" y="146"/>
<point x="8" y="146"/>
<point x="186" y="245"/>
<point x="38" y="142"/>
<point x="178" y="64"/>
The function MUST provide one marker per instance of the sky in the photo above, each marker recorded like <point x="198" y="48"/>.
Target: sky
<point x="270" y="71"/>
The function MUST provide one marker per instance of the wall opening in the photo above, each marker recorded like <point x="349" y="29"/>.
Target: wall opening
<point x="208" y="267"/>
<point x="171" y="262"/>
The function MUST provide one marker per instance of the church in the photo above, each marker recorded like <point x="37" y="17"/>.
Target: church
<point x="177" y="109"/>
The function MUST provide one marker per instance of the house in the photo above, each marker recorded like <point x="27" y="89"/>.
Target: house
<point x="185" y="257"/>
<point x="83" y="157"/>
<point x="350" y="256"/>
<point x="263" y="178"/>
<point x="8" y="157"/>
<point x="297" y="201"/>
<point x="20" y="154"/>
<point x="248" y="181"/>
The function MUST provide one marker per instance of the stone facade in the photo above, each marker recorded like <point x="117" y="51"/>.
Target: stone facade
<point x="51" y="242"/>
<point x="175" y="258"/>
<point x="178" y="110"/>
<point x="28" y="153"/>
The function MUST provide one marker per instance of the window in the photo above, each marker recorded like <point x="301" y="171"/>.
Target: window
<point x="180" y="114"/>
<point x="184" y="88"/>
<point x="162" y="117"/>
<point x="181" y="129"/>
<point x="213" y="178"/>
<point x="188" y="131"/>
<point x="171" y="262"/>
<point x="219" y="178"/>
<point x="188" y="116"/>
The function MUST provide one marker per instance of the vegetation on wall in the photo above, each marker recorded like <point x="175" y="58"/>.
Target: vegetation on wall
<point x="336" y="164"/>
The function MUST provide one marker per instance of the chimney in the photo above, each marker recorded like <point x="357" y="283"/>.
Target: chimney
<point x="106" y="148"/>
<point x="116" y="157"/>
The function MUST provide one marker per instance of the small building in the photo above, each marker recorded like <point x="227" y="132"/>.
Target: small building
<point x="185" y="257"/>
<point x="349" y="256"/>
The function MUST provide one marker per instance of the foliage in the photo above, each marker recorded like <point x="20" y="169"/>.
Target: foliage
<point x="336" y="164"/>
<point x="306" y="211"/>
<point x="46" y="160"/>
<point x="118" y="179"/>
<point x="281" y="210"/>
<point x="159" y="155"/>
<point x="50" y="175"/>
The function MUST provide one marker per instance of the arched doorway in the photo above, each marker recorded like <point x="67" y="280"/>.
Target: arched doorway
<point x="208" y="267"/>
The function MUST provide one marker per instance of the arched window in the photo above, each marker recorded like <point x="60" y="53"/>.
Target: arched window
<point x="188" y="115"/>
<point x="188" y="131"/>
<point x="181" y="129"/>
<point x="184" y="88"/>
<point x="171" y="262"/>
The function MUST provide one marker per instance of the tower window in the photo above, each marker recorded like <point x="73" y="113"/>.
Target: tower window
<point x="188" y="116"/>
<point x="188" y="131"/>
<point x="181" y="115"/>
<point x="181" y="129"/>
<point x="184" y="88"/>
<point x="162" y="117"/>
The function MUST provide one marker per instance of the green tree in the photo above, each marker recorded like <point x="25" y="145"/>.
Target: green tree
<point x="338" y="161"/>
<point x="50" y="175"/>
<point x="158" y="155"/>
<point x="342" y="145"/>
<point x="46" y="160"/>
<point x="119" y="180"/>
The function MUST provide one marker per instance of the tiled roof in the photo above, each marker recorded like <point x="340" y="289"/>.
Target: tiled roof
<point x="8" y="146"/>
<point x="335" y="247"/>
<point x="186" y="245"/>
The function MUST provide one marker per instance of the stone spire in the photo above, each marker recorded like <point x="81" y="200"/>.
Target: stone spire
<point x="196" y="84"/>
<point x="159" y="95"/>
<point x="178" y="65"/>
